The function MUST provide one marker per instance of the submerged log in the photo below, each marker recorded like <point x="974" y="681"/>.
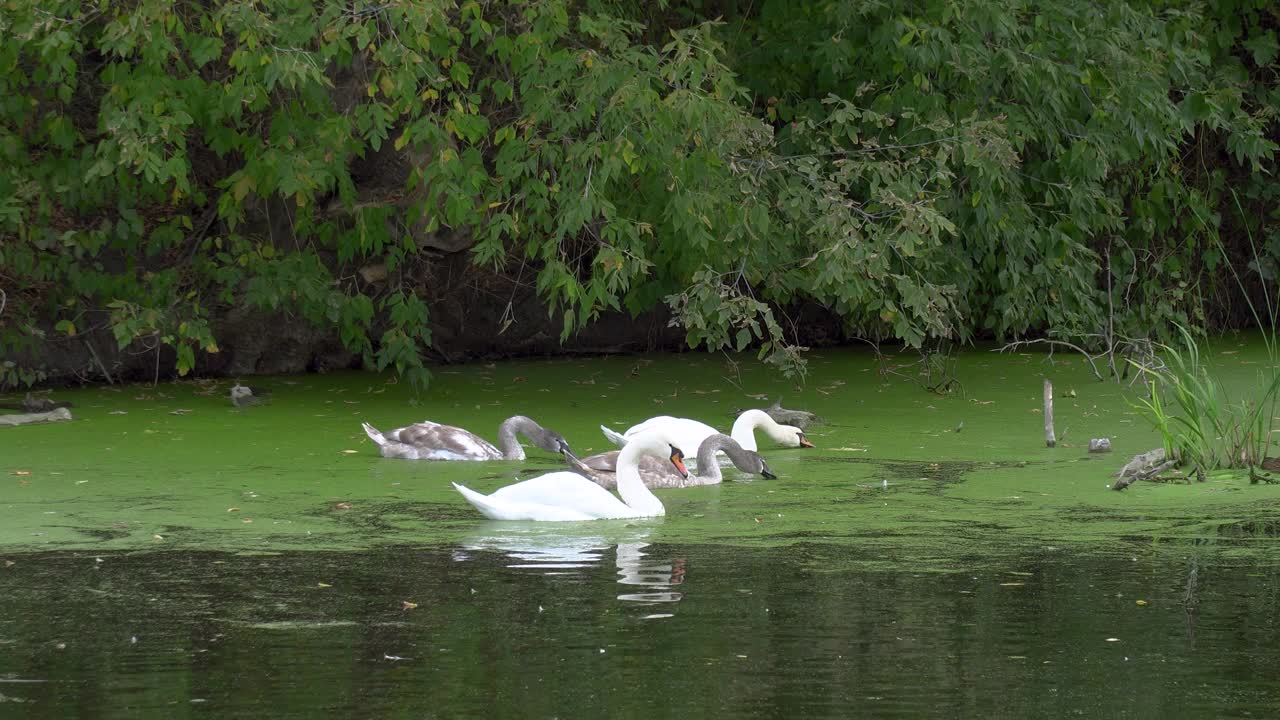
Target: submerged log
<point x="1141" y="463"/>
<point x="1125" y="482"/>
<point x="41" y="417"/>
<point x="33" y="404"/>
<point x="1142" y="466"/>
<point x="796" y="418"/>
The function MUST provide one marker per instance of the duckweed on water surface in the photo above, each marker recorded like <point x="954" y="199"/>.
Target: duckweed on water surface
<point x="920" y="474"/>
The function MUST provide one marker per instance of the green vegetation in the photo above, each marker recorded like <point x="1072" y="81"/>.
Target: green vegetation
<point x="921" y="171"/>
<point x="1201" y="427"/>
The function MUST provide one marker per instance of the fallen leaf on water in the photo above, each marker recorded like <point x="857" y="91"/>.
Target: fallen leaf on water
<point x="233" y="509"/>
<point x="9" y="563"/>
<point x="21" y="472"/>
<point x="1113" y="639"/>
<point x="180" y="411"/>
<point x="350" y="452"/>
<point x="342" y="506"/>
<point x="323" y="585"/>
<point x="118" y="412"/>
<point x="158" y="537"/>
<point x="1012" y="584"/>
<point x="1140" y="602"/>
<point x="406" y="605"/>
<point x="247" y="520"/>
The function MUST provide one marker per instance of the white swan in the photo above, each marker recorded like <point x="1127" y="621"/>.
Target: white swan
<point x="689" y="434"/>
<point x="432" y="441"/>
<point x="602" y="468"/>
<point x="568" y="496"/>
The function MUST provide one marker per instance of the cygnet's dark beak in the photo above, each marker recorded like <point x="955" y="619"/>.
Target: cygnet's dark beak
<point x="564" y="450"/>
<point x="767" y="473"/>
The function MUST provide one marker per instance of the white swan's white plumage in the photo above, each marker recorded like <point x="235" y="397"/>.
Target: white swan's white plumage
<point x="562" y="496"/>
<point x="688" y="434"/>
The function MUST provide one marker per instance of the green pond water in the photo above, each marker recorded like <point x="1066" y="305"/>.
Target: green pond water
<point x="168" y="555"/>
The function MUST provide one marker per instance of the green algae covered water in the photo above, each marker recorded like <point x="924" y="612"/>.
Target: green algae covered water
<point x="168" y="555"/>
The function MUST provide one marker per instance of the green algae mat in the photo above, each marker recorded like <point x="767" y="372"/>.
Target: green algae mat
<point x="176" y="466"/>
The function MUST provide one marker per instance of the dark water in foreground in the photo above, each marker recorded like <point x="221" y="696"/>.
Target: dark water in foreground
<point x="514" y="625"/>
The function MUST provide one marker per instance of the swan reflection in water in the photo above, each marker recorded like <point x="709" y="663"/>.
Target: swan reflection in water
<point x="661" y="577"/>
<point x="571" y="551"/>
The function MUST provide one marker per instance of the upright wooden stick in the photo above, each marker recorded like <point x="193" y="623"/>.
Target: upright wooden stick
<point x="1050" y="440"/>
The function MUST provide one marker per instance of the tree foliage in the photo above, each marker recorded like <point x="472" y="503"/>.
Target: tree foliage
<point x="945" y="169"/>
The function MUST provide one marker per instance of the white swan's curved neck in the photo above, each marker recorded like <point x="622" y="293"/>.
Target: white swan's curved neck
<point x="631" y="487"/>
<point x="744" y="427"/>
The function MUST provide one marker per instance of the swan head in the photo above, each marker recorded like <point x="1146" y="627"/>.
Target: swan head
<point x="787" y="435"/>
<point x="548" y="440"/>
<point x="763" y="468"/>
<point x="657" y="443"/>
<point x="556" y="443"/>
<point x="677" y="459"/>
<point x="753" y="462"/>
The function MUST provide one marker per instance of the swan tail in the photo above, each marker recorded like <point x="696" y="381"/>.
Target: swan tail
<point x="614" y="437"/>
<point x="480" y="502"/>
<point x="373" y="433"/>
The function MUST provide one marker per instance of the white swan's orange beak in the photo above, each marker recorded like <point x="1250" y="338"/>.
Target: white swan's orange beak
<point x="677" y="459"/>
<point x="804" y="442"/>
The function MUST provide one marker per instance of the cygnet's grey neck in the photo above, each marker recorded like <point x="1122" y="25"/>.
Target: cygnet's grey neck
<point x="710" y="469"/>
<point x="508" y="444"/>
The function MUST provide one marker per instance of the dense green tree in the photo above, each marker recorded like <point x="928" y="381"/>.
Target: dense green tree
<point x="922" y="170"/>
